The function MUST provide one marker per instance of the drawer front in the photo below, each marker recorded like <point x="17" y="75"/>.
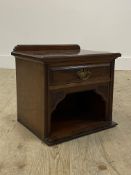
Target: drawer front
<point x="81" y="73"/>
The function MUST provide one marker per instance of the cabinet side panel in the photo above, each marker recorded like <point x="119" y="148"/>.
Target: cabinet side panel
<point x="30" y="95"/>
<point x="111" y="89"/>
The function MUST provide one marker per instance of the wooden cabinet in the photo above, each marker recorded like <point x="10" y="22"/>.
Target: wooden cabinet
<point x="64" y="92"/>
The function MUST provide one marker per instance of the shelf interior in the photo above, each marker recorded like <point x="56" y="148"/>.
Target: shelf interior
<point x="78" y="112"/>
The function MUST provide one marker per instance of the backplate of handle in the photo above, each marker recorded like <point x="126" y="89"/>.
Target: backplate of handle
<point x="84" y="74"/>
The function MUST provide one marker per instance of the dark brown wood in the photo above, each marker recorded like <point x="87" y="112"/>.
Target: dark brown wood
<point x="64" y="92"/>
<point x="68" y="74"/>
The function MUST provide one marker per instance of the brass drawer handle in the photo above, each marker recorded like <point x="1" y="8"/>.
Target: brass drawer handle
<point x="84" y="74"/>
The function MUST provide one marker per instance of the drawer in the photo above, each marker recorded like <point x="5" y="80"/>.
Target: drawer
<point x="82" y="73"/>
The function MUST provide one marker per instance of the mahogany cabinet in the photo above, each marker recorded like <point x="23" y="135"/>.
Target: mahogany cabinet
<point x="64" y="92"/>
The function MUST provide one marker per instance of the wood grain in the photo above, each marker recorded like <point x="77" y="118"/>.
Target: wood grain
<point x="104" y="153"/>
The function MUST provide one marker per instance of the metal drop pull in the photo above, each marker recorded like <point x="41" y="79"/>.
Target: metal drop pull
<point x="84" y="74"/>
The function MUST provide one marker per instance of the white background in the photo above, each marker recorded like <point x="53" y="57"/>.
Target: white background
<point x="94" y="24"/>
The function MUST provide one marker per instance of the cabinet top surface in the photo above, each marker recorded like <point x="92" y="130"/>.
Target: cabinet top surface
<point x="47" y="53"/>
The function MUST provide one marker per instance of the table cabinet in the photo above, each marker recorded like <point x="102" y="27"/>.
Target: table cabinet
<point x="64" y="92"/>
